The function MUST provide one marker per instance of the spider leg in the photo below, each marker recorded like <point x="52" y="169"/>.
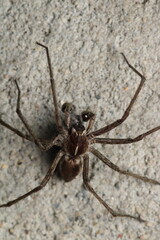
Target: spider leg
<point x="18" y="111"/>
<point x="58" y="120"/>
<point x="16" y="131"/>
<point x="90" y="124"/>
<point x="126" y="140"/>
<point x="117" y="169"/>
<point x="88" y="186"/>
<point x="127" y="111"/>
<point x="47" y="143"/>
<point x="42" y="184"/>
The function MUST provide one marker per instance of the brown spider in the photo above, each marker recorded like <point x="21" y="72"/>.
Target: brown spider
<point x="75" y="141"/>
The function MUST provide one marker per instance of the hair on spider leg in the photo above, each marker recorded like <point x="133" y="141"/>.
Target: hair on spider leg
<point x="75" y="141"/>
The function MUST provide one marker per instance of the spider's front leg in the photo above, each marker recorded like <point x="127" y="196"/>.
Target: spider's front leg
<point x="16" y="131"/>
<point x="128" y="109"/>
<point x="43" y="144"/>
<point x="24" y="121"/>
<point x="52" y="81"/>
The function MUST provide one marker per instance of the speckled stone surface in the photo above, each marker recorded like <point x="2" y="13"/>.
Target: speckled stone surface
<point x="85" y="39"/>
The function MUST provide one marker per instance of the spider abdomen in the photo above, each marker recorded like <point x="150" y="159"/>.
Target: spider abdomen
<point x="69" y="168"/>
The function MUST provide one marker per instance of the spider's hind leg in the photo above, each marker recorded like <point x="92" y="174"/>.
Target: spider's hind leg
<point x="40" y="186"/>
<point x="88" y="186"/>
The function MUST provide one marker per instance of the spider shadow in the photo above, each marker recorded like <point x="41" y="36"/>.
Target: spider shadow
<point x="48" y="132"/>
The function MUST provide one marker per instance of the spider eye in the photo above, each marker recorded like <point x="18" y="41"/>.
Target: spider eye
<point x="86" y="116"/>
<point x="68" y="107"/>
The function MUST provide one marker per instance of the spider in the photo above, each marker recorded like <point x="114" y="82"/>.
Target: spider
<point x="76" y="140"/>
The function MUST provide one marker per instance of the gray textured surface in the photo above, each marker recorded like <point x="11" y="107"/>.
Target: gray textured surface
<point x="85" y="40"/>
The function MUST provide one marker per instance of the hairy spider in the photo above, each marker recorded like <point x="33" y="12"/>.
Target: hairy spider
<point x="75" y="140"/>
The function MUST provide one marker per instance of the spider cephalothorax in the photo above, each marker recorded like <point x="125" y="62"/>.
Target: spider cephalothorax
<point x="76" y="143"/>
<point x="76" y="140"/>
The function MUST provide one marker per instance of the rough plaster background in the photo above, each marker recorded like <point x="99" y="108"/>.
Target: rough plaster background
<point x="85" y="39"/>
